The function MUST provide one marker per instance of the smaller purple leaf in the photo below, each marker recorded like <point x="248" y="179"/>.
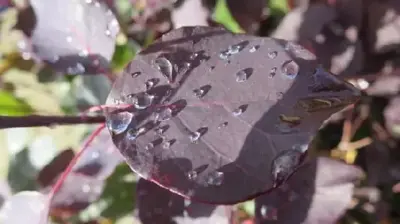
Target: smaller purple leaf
<point x="78" y="39"/>
<point x="319" y="192"/>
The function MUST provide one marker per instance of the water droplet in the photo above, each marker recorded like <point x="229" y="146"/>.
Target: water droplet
<point x="211" y="68"/>
<point x="164" y="115"/>
<point x="269" y="213"/>
<point x="224" y="55"/>
<point x="290" y="69"/>
<point x="238" y="111"/>
<point x="254" y="49"/>
<point x="272" y="54"/>
<point x="284" y="165"/>
<point x="149" y="84"/>
<point x="272" y="72"/>
<point x="164" y="66"/>
<point x="193" y="56"/>
<point x="215" y="178"/>
<point x="119" y="122"/>
<point x="194" y="136"/>
<point x="199" y="93"/>
<point x="161" y="130"/>
<point x="132" y="134"/>
<point x="135" y="74"/>
<point x="149" y="146"/>
<point x="112" y="28"/>
<point x="141" y="100"/>
<point x="223" y="125"/>
<point x="167" y="144"/>
<point x="26" y="55"/>
<point x="241" y="76"/>
<point x="192" y="174"/>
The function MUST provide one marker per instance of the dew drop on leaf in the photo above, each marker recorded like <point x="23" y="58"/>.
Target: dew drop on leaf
<point x="132" y="134"/>
<point x="192" y="174"/>
<point x="223" y="125"/>
<point x="149" y="146"/>
<point x="167" y="144"/>
<point x="164" y="66"/>
<point x="198" y="93"/>
<point x="290" y="69"/>
<point x="149" y="84"/>
<point x="141" y="100"/>
<point x="112" y="28"/>
<point x="272" y="72"/>
<point x="254" y="49"/>
<point x="119" y="122"/>
<point x="215" y="178"/>
<point x="272" y="54"/>
<point x="193" y="56"/>
<point x="284" y="165"/>
<point x="238" y="111"/>
<point x="135" y="74"/>
<point x="241" y="76"/>
<point x="164" y="115"/>
<point x="194" y="136"/>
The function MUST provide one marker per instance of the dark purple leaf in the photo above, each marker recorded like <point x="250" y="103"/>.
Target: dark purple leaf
<point x="266" y="98"/>
<point x="158" y="205"/>
<point x="319" y="192"/>
<point x="77" y="37"/>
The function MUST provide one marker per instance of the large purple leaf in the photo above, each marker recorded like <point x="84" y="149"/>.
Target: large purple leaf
<point x="211" y="110"/>
<point x="319" y="192"/>
<point x="75" y="36"/>
<point x="158" y="205"/>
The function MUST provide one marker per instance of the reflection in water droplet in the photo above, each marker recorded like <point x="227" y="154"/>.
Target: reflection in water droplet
<point x="193" y="56"/>
<point x="241" y="76"/>
<point x="238" y="111"/>
<point x="199" y="93"/>
<point x="132" y="134"/>
<point x="272" y="54"/>
<point x="194" y="136"/>
<point x="254" y="49"/>
<point x="269" y="213"/>
<point x="164" y="115"/>
<point x="141" y="100"/>
<point x="215" y="178"/>
<point x="272" y="72"/>
<point x="191" y="175"/>
<point x="149" y="84"/>
<point x="164" y="66"/>
<point x="284" y="165"/>
<point x="290" y="69"/>
<point x="167" y="144"/>
<point x="149" y="146"/>
<point x="119" y="122"/>
<point x="135" y="74"/>
<point x="223" y="125"/>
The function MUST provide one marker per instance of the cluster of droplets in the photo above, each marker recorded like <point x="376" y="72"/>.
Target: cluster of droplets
<point x="232" y="50"/>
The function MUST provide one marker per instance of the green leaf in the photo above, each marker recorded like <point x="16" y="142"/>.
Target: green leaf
<point x="11" y="106"/>
<point x="123" y="54"/>
<point x="278" y="7"/>
<point x="223" y="16"/>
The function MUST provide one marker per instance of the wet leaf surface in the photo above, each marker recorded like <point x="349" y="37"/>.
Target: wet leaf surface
<point x="204" y="161"/>
<point x="78" y="39"/>
<point x="158" y="205"/>
<point x="319" y="192"/>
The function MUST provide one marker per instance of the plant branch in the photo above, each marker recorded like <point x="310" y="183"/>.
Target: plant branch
<point x="38" y="120"/>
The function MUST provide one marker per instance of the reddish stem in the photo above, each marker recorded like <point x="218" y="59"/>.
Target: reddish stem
<point x="68" y="170"/>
